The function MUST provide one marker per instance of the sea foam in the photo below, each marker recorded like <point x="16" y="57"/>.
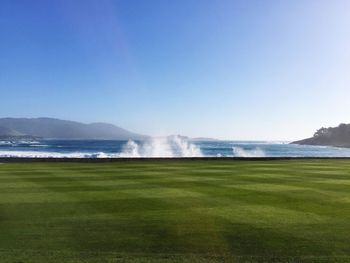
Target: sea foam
<point x="241" y="152"/>
<point x="174" y="146"/>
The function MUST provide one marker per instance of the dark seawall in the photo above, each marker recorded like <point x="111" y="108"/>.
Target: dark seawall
<point x="116" y="160"/>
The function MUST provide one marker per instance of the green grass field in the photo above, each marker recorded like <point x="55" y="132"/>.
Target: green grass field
<point x="176" y="211"/>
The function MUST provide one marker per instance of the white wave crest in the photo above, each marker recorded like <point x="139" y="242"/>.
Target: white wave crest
<point x="35" y="154"/>
<point x="174" y="146"/>
<point x="5" y="143"/>
<point x="28" y="142"/>
<point x="186" y="148"/>
<point x="131" y="149"/>
<point x="16" y="143"/>
<point x="240" y="152"/>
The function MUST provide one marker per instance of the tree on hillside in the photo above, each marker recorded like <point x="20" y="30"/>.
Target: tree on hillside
<point x="321" y="132"/>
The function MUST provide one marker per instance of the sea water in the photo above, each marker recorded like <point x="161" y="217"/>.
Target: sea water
<point x="174" y="146"/>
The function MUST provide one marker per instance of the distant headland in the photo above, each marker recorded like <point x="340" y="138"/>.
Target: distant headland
<point x="50" y="128"/>
<point x="332" y="136"/>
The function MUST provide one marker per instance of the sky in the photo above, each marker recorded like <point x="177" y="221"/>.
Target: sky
<point x="244" y="70"/>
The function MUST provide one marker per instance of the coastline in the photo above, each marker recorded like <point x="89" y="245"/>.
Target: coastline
<point x="325" y="145"/>
<point x="4" y="160"/>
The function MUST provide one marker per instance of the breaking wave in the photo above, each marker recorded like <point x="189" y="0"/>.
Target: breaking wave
<point x="19" y="143"/>
<point x="241" y="152"/>
<point x="35" y="154"/>
<point x="174" y="146"/>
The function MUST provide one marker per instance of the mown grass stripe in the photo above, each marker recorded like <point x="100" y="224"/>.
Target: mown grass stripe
<point x="176" y="211"/>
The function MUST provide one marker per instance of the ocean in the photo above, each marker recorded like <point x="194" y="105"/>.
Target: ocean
<point x="162" y="147"/>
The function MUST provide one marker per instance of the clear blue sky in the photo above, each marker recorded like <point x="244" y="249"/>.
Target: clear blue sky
<point x="226" y="69"/>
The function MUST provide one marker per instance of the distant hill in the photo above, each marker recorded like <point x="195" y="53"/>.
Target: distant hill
<point x="332" y="136"/>
<point x="10" y="134"/>
<point x="62" y="129"/>
<point x="5" y="131"/>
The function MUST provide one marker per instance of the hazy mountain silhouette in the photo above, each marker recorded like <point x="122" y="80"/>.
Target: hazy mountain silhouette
<point x="63" y="129"/>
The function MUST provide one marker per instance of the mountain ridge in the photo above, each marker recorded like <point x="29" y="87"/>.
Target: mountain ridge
<point x="52" y="128"/>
